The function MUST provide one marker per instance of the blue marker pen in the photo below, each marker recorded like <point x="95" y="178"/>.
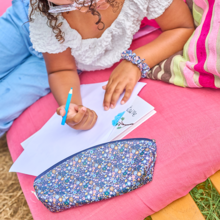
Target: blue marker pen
<point x="67" y="106"/>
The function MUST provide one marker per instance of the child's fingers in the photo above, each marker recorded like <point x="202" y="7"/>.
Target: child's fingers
<point x="94" y="119"/>
<point x="78" y="117"/>
<point x="61" y="111"/>
<point x="116" y="94"/>
<point x="108" y="95"/>
<point x="127" y="95"/>
<point x="84" y="124"/>
<point x="87" y="122"/>
<point x="104" y="87"/>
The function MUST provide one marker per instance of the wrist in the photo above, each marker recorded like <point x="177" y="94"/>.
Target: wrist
<point x="134" y="68"/>
<point x="136" y="60"/>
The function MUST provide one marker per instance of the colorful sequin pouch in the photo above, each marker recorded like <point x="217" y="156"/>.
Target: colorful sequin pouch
<point x="101" y="172"/>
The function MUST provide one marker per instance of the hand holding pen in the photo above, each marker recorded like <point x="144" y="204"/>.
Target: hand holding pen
<point x="77" y="117"/>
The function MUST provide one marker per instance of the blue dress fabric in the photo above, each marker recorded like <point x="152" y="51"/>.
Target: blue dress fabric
<point x="23" y="75"/>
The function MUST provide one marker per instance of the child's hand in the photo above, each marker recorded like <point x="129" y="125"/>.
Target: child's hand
<point x="124" y="77"/>
<point x="78" y="117"/>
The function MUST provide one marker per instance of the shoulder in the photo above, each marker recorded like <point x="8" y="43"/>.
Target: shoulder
<point x="42" y="36"/>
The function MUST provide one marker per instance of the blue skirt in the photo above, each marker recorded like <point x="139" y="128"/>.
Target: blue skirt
<point x="23" y="75"/>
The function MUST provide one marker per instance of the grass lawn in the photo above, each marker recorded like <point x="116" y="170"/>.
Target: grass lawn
<point x="207" y="199"/>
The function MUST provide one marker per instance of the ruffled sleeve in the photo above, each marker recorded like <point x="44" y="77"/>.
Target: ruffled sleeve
<point x="157" y="7"/>
<point x="42" y="36"/>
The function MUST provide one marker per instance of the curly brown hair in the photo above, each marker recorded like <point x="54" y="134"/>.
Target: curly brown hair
<point x="43" y="7"/>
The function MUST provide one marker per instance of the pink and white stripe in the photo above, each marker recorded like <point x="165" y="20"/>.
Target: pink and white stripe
<point x="212" y="58"/>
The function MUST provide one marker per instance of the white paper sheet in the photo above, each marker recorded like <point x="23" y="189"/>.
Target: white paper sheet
<point x="131" y="128"/>
<point x="138" y="113"/>
<point x="85" y="90"/>
<point x="55" y="142"/>
<point x="132" y="115"/>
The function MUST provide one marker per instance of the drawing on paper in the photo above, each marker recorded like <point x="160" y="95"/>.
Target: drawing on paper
<point x="118" y="121"/>
<point x="117" y="118"/>
<point x="132" y="111"/>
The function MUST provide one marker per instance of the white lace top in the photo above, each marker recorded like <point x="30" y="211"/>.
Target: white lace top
<point x="97" y="53"/>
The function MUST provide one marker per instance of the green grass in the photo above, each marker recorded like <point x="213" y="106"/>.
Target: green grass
<point x="207" y="199"/>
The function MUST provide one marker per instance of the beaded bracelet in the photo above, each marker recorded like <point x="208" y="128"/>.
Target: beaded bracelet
<point x="132" y="57"/>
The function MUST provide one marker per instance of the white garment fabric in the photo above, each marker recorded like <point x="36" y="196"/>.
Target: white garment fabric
<point x="96" y="53"/>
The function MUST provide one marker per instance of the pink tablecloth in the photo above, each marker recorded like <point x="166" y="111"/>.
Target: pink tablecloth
<point x="4" y="5"/>
<point x="187" y="131"/>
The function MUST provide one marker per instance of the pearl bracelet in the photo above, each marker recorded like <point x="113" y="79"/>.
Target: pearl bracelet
<point x="132" y="57"/>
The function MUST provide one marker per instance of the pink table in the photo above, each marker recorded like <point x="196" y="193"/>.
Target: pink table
<point x="4" y="4"/>
<point x="186" y="128"/>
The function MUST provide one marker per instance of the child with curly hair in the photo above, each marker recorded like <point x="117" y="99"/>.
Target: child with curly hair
<point x="44" y="45"/>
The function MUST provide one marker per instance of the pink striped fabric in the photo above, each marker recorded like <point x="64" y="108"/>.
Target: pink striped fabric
<point x="206" y="79"/>
<point x="198" y="65"/>
<point x="212" y="59"/>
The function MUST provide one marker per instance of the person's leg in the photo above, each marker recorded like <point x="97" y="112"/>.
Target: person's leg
<point x="23" y="76"/>
<point x="13" y="49"/>
<point x="15" y="44"/>
<point x="21" y="88"/>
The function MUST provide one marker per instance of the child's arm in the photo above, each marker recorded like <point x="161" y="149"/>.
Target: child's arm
<point x="62" y="75"/>
<point x="177" y="25"/>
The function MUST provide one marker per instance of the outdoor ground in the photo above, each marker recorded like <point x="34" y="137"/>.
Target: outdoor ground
<point x="13" y="205"/>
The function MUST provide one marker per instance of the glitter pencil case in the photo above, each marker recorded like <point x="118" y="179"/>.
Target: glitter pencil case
<point x="100" y="172"/>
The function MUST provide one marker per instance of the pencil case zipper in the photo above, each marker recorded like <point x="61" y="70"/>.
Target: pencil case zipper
<point x="57" y="164"/>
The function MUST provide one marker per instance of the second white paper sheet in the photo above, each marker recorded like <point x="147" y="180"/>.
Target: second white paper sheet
<point x="55" y="142"/>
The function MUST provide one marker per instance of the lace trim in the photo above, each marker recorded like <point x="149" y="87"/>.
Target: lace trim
<point x="157" y="7"/>
<point x="42" y="36"/>
<point x="97" y="53"/>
